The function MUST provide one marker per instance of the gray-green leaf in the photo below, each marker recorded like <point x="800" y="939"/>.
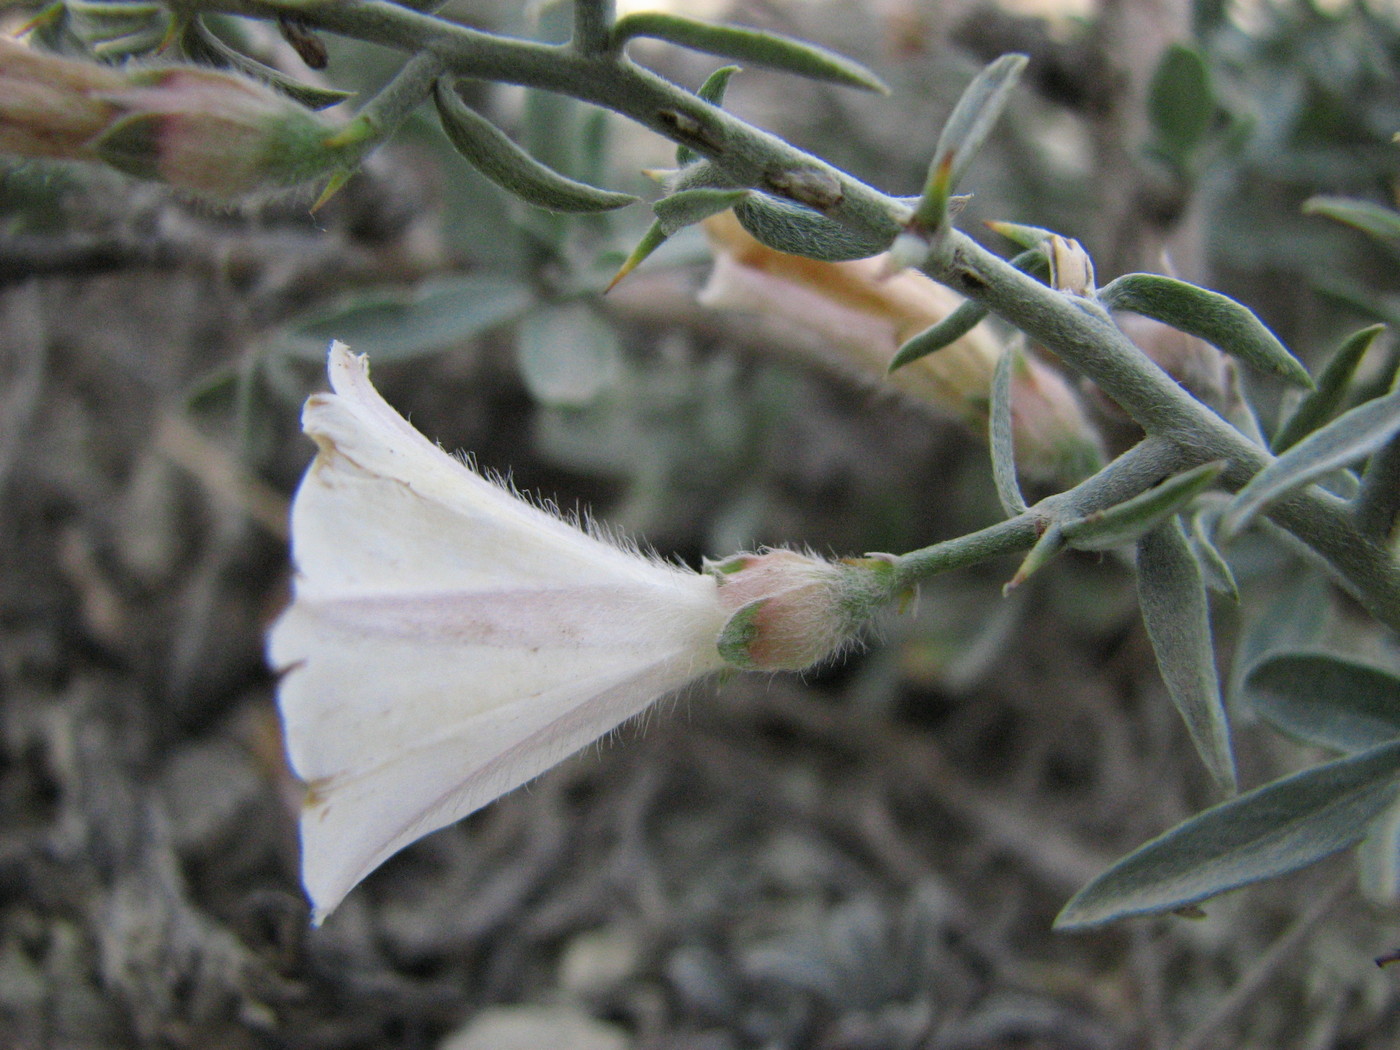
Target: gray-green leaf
<point x="1375" y="219"/>
<point x="1002" y="434"/>
<point x="789" y="227"/>
<point x="491" y="151"/>
<point x="972" y="119"/>
<point x="1327" y="699"/>
<point x="687" y="207"/>
<point x="1176" y="613"/>
<point x="1348" y="438"/>
<point x="1216" y="318"/>
<point x="1268" y="832"/>
<point x="395" y="324"/>
<point x="1320" y="405"/>
<point x="1126" y="522"/>
<point x="748" y="45"/>
<point x="711" y="91"/>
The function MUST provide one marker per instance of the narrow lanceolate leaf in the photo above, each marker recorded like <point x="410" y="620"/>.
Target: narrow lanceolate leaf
<point x="945" y="333"/>
<point x="653" y="239"/>
<point x="1003" y="445"/>
<point x="1214" y="568"/>
<point x="1126" y="522"/>
<point x="748" y="45"/>
<point x="798" y="230"/>
<point x="1177" y="616"/>
<point x="1378" y="857"/>
<point x="1270" y="831"/>
<point x="1208" y="315"/>
<point x="1375" y="219"/>
<point x="1327" y="700"/>
<point x="1020" y="234"/>
<point x="200" y="44"/>
<point x="711" y="91"/>
<point x="1348" y="438"/>
<point x="687" y="207"/>
<point x="491" y="152"/>
<point x="968" y="126"/>
<point x="1050" y="544"/>
<point x="1320" y="405"/>
<point x="1181" y="102"/>
<point x="964" y="319"/>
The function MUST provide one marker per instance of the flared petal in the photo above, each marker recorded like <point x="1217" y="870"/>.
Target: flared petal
<point x="448" y="641"/>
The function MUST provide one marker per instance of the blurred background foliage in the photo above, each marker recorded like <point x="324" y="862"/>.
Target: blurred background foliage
<point x="868" y="858"/>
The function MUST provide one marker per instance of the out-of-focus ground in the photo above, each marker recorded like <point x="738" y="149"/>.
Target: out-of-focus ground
<point x="867" y="858"/>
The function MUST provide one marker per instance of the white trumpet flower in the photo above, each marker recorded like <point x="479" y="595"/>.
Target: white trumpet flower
<point x="449" y="641"/>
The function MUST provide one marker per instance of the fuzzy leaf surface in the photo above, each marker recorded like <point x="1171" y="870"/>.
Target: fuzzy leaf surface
<point x="1176" y="612"/>
<point x="491" y="151"/>
<point x="1273" y="830"/>
<point x="1326" y="699"/>
<point x="1352" y="436"/>
<point x="748" y="45"/>
<point x="1216" y="318"/>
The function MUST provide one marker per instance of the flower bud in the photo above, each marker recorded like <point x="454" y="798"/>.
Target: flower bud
<point x="204" y="130"/>
<point x="216" y="134"/>
<point x="792" y="610"/>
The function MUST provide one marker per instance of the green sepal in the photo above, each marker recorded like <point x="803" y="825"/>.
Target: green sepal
<point x="1320" y="405"/>
<point x="738" y="635"/>
<point x="203" y="46"/>
<point x="972" y="119"/>
<point x="491" y="151"/>
<point x="1126" y="522"/>
<point x="132" y="145"/>
<point x="711" y="91"/>
<point x="1216" y="318"/>
<point x="748" y="45"/>
<point x="1271" y="831"/>
<point x="1376" y="219"/>
<point x="687" y="207"/>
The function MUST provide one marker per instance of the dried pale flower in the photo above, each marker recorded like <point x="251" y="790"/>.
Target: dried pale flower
<point x="864" y="313"/>
<point x="448" y="641"/>
<point x="208" y="131"/>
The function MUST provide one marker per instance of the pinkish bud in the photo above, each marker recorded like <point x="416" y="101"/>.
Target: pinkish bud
<point x="216" y="133"/>
<point x="792" y="610"/>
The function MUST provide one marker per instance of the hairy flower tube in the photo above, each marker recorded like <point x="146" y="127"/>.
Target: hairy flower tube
<point x="448" y="640"/>
<point x="864" y="313"/>
<point x="212" y="132"/>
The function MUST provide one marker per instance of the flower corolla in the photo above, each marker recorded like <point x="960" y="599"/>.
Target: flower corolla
<point x="449" y="641"/>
